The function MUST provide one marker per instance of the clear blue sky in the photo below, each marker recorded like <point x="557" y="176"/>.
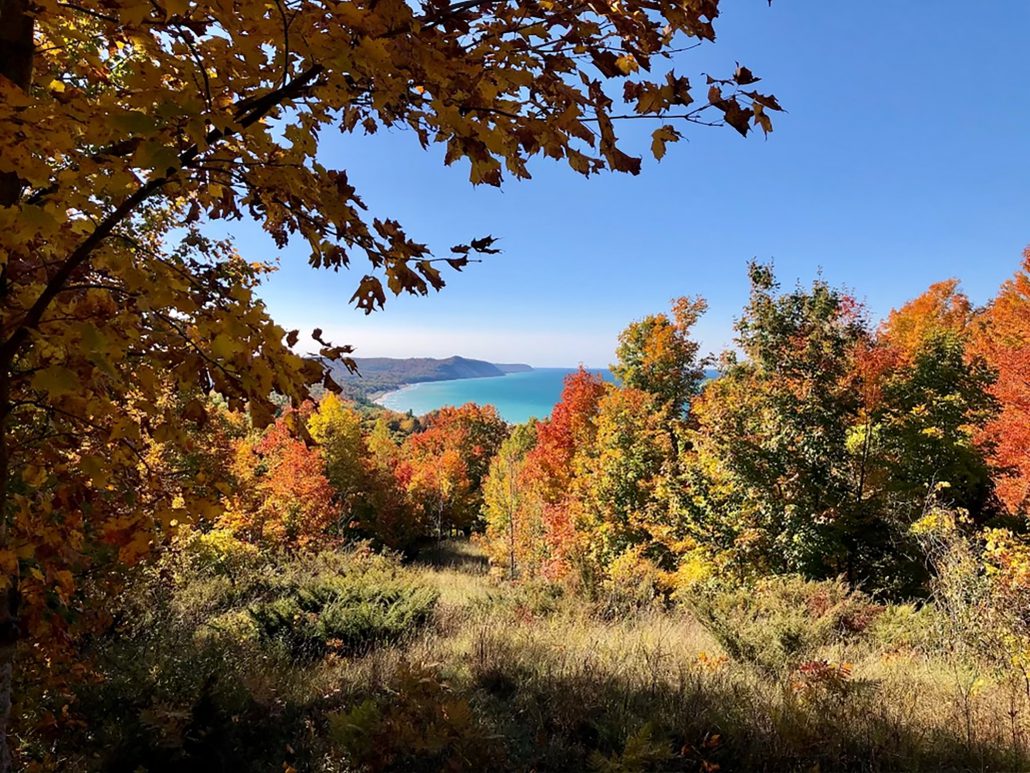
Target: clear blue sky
<point x="904" y="159"/>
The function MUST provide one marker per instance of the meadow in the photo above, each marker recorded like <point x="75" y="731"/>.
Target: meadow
<point x="351" y="661"/>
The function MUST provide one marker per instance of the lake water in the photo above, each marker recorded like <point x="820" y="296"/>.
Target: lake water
<point x="516" y="396"/>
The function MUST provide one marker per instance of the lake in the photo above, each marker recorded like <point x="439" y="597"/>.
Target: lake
<point x="516" y="396"/>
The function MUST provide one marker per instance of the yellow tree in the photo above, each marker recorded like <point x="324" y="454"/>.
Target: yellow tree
<point x="125" y="121"/>
<point x="657" y="354"/>
<point x="505" y="499"/>
<point x="336" y="427"/>
<point x="620" y="474"/>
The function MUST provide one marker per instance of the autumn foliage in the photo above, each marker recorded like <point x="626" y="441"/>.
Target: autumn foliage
<point x="1002" y="338"/>
<point x="815" y="450"/>
<point x="284" y="498"/>
<point x="889" y="458"/>
<point x="127" y="127"/>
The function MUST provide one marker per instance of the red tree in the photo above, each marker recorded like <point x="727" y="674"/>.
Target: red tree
<point x="1003" y="339"/>
<point x="443" y="466"/>
<point x="550" y="467"/>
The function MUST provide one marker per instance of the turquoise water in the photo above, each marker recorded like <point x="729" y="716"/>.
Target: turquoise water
<point x="517" y="396"/>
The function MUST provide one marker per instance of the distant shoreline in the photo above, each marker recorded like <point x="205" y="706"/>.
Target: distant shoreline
<point x="408" y="387"/>
<point x="378" y="399"/>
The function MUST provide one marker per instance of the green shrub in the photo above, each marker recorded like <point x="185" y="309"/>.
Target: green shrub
<point x="907" y="627"/>
<point x="526" y="600"/>
<point x="344" y="612"/>
<point x="780" y="622"/>
<point x="194" y="674"/>
<point x="643" y="751"/>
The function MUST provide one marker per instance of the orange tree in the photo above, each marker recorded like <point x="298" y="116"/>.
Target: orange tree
<point x="283" y="497"/>
<point x="942" y="308"/>
<point x="445" y="464"/>
<point x="657" y="355"/>
<point x="123" y="122"/>
<point x="928" y="405"/>
<point x="1003" y="339"/>
<point x="550" y="511"/>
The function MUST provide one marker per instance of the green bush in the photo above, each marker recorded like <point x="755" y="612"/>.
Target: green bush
<point x="907" y="627"/>
<point x="208" y="660"/>
<point x="780" y="622"/>
<point x="526" y="600"/>
<point x="346" y="612"/>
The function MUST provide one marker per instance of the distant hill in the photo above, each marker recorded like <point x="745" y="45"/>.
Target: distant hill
<point x="513" y="367"/>
<point x="383" y="374"/>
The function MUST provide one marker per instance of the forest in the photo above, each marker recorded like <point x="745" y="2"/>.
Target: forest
<point x="213" y="559"/>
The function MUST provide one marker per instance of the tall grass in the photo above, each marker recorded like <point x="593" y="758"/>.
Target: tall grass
<point x="787" y="675"/>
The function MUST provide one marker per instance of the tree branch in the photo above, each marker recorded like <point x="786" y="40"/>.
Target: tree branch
<point x="247" y="114"/>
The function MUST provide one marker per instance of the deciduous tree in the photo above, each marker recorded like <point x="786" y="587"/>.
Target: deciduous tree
<point x="772" y="434"/>
<point x="1003" y="339"/>
<point x="553" y="508"/>
<point x="506" y="502"/>
<point x="942" y="308"/>
<point x="336" y="427"/>
<point x="447" y="462"/>
<point x="657" y="354"/>
<point x="284" y="499"/>
<point x="620" y="474"/>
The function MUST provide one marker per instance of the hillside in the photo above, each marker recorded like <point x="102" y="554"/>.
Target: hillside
<point x="513" y="367"/>
<point x="383" y="374"/>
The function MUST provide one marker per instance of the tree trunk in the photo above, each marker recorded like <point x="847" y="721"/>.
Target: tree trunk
<point x="512" y="514"/>
<point x="16" y="53"/>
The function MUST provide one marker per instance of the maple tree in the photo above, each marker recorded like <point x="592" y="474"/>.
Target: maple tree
<point x="439" y="493"/>
<point x="657" y="355"/>
<point x="924" y="431"/>
<point x="1002" y="338"/>
<point x="569" y="427"/>
<point x="620" y="471"/>
<point x="941" y="308"/>
<point x="283" y="499"/>
<point x="548" y="535"/>
<point x="443" y="466"/>
<point x="380" y="511"/>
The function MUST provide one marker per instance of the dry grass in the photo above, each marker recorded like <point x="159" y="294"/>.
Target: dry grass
<point x="524" y="678"/>
<point x="656" y="691"/>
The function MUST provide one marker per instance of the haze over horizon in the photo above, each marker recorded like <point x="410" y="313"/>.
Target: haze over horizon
<point x="880" y="174"/>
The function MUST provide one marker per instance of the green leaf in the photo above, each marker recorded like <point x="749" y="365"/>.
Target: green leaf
<point x="56" y="381"/>
<point x="157" y="156"/>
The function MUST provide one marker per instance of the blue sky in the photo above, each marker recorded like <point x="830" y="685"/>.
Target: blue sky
<point x="904" y="159"/>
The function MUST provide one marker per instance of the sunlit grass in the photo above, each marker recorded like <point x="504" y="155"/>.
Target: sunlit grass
<point x="521" y="677"/>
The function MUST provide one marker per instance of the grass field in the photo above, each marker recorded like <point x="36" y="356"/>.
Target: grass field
<point x="482" y="675"/>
